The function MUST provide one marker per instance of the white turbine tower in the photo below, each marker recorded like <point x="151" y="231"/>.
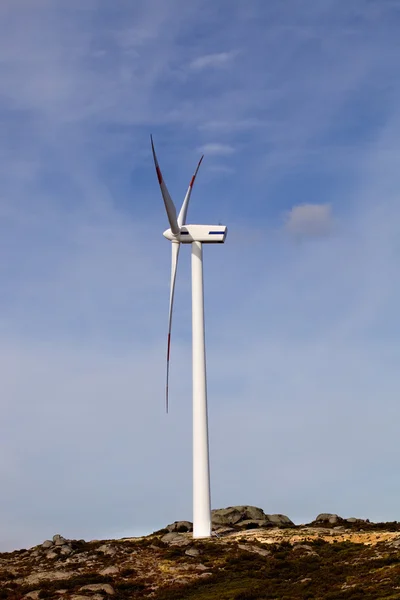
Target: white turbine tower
<point x="197" y="235"/>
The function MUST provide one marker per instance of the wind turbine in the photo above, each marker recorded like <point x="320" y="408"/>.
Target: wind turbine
<point x="197" y="235"/>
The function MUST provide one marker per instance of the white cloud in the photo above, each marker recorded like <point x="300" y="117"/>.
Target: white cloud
<point x="229" y="126"/>
<point x="309" y="220"/>
<point x="217" y="60"/>
<point x="223" y="169"/>
<point x="215" y="149"/>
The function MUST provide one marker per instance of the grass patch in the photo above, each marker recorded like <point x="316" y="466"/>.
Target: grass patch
<point x="291" y="575"/>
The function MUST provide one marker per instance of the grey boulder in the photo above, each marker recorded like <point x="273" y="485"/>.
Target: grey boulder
<point x="107" y="550"/>
<point x="59" y="540"/>
<point x="305" y="548"/>
<point x="328" y="518"/>
<point x="253" y="523"/>
<point x="226" y="516"/>
<point x="192" y="551"/>
<point x="176" y="539"/>
<point x="233" y="514"/>
<point x="279" y="520"/>
<point x="353" y="520"/>
<point x="180" y="526"/>
<point x="247" y="517"/>
<point x="98" y="587"/>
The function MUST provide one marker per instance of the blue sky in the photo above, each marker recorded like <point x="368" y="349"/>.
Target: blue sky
<point x="296" y="106"/>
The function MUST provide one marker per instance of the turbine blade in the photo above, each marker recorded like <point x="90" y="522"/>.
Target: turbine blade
<point x="174" y="264"/>
<point x="183" y="211"/>
<point x="169" y="205"/>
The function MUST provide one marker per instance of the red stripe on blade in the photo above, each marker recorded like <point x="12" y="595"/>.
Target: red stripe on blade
<point x="159" y="175"/>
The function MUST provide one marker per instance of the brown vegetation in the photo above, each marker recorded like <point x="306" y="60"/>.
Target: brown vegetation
<point x="273" y="563"/>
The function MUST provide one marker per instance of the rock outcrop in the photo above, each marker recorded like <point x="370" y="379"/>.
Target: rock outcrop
<point x="280" y="520"/>
<point x="180" y="526"/>
<point x="246" y="517"/>
<point x="328" y="519"/>
<point x="58" y="546"/>
<point x="333" y="520"/>
<point x="176" y="539"/>
<point x="166" y="566"/>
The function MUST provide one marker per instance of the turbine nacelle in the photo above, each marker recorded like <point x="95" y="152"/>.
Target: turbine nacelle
<point x="206" y="234"/>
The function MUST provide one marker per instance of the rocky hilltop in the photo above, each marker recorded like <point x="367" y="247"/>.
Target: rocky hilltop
<point x="252" y="556"/>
